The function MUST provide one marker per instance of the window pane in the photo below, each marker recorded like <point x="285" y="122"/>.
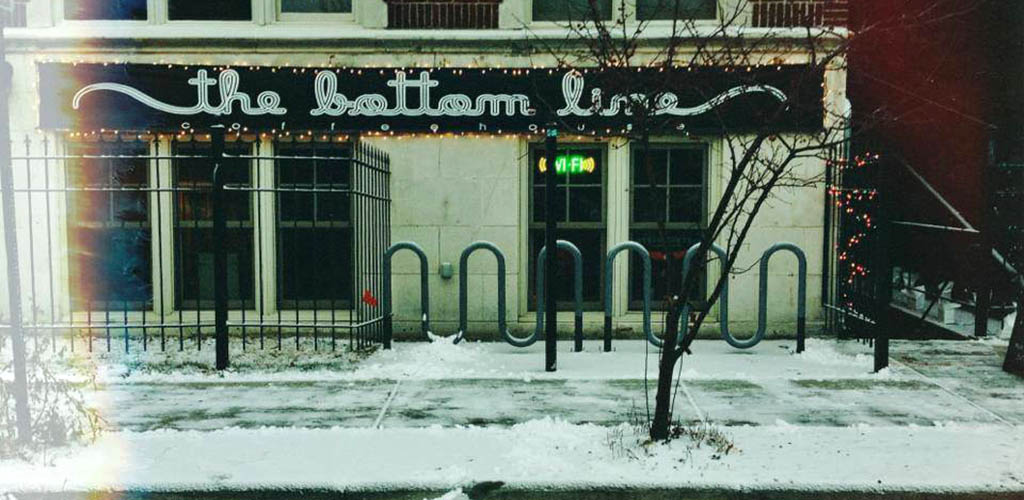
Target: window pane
<point x="586" y="204"/>
<point x="591" y="245"/>
<point x="314" y="231"/>
<point x="580" y="201"/>
<point x="569" y="10"/>
<point x="687" y="167"/>
<point x="210" y="10"/>
<point x="668" y="249"/>
<point x="648" y="204"/>
<point x="678" y="210"/>
<point x="115" y="10"/>
<point x="582" y="182"/>
<point x="315" y="267"/>
<point x="109" y="231"/>
<point x="316" y="6"/>
<point x="540" y="206"/>
<point x="644" y="174"/>
<point x="685" y="205"/>
<point x="194" y="244"/>
<point x="675" y="9"/>
<point x="194" y="247"/>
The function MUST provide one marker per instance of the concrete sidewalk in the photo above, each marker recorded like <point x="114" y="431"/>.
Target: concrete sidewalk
<point x="830" y="385"/>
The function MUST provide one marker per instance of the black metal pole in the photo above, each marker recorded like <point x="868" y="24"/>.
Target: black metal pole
<point x="883" y="271"/>
<point x="23" y="421"/>
<point x="985" y="274"/>
<point x="220" y="251"/>
<point x="550" y="258"/>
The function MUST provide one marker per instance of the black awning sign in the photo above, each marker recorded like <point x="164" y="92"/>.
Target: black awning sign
<point x="93" y="96"/>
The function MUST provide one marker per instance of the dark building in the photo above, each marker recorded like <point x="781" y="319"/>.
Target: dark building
<point x="938" y="86"/>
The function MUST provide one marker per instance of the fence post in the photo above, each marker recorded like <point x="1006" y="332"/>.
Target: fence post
<point x="551" y="258"/>
<point x="883" y="269"/>
<point x="23" y="421"/>
<point x="986" y="271"/>
<point x="220" y="251"/>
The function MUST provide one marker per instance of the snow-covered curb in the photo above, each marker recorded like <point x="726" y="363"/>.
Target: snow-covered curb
<point x="536" y="454"/>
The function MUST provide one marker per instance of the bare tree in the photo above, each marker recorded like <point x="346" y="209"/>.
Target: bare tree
<point x="646" y="61"/>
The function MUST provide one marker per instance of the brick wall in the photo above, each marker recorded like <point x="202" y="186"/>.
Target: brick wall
<point x="790" y="13"/>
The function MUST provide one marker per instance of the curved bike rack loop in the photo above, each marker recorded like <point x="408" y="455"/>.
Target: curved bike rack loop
<point x="424" y="289"/>
<point x="464" y="289"/>
<point x="801" y="300"/>
<point x="723" y="300"/>
<point x="762" y="315"/>
<point x="538" y="333"/>
<point x="645" y="256"/>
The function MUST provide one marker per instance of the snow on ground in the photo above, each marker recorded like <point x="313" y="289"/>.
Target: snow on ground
<point x="535" y="454"/>
<point x="712" y="359"/>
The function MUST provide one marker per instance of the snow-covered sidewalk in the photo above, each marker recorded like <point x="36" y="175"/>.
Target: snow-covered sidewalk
<point x="536" y="455"/>
<point x="432" y="417"/>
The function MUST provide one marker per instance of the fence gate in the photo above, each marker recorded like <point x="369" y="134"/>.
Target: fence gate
<point x="162" y="241"/>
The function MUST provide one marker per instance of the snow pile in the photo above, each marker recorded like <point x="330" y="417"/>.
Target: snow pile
<point x="825" y="352"/>
<point x="455" y="494"/>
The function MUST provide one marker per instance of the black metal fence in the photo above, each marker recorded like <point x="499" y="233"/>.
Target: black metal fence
<point x="145" y="241"/>
<point x="858" y="250"/>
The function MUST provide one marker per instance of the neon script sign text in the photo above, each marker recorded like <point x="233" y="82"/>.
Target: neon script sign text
<point x="330" y="102"/>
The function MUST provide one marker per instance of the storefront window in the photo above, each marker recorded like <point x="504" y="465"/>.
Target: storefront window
<point x="667" y="214"/>
<point x="675" y="9"/>
<point x="105" y="10"/>
<point x="194" y="244"/>
<point x="209" y="10"/>
<point x="569" y="10"/>
<point x="316" y="6"/>
<point x="109" y="227"/>
<point x="580" y="199"/>
<point x="314" y="230"/>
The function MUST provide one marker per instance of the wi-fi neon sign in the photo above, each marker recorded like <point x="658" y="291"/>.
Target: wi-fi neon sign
<point x="570" y="164"/>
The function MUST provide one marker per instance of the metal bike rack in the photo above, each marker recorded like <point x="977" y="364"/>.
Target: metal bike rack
<point x="609" y="273"/>
<point x="723" y="300"/>
<point x="762" y="315"/>
<point x="464" y="289"/>
<point x="424" y="289"/>
<point x="538" y="333"/>
<point x="801" y="300"/>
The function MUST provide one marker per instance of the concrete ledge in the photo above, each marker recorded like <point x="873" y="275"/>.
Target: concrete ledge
<point x="508" y="493"/>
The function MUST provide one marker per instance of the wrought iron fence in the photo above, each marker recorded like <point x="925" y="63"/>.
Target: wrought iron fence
<point x="788" y="13"/>
<point x="851" y="246"/>
<point x="124" y="236"/>
<point x="450" y="14"/>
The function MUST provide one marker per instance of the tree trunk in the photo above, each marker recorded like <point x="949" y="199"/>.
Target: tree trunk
<point x="1014" y="362"/>
<point x="660" y="427"/>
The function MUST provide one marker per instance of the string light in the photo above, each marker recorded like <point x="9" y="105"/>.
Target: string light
<point x="855" y="203"/>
